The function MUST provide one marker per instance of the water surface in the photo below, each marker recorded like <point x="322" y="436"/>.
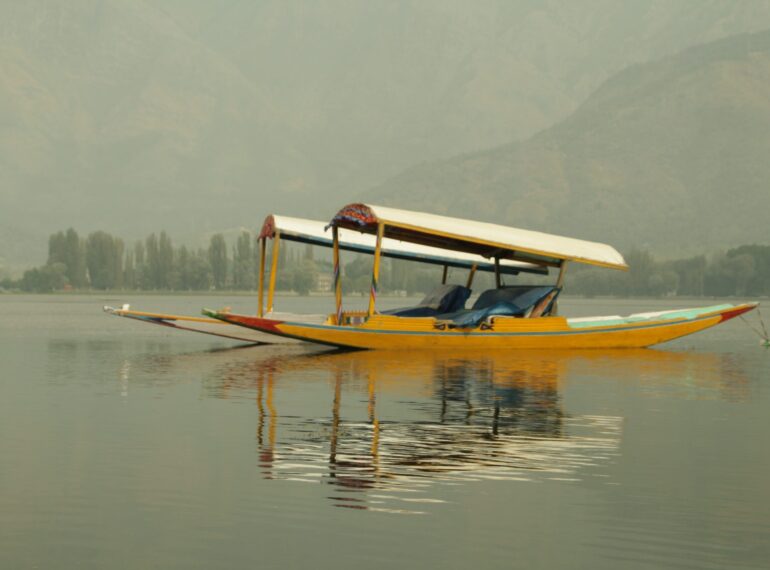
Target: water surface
<point x="125" y="445"/>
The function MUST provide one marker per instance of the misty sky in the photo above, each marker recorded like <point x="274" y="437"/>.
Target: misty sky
<point x="195" y="116"/>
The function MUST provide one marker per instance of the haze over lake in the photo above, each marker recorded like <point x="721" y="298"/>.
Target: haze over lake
<point x="511" y="175"/>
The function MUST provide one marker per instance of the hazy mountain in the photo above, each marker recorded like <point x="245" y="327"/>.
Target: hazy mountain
<point x="379" y="86"/>
<point x="191" y="115"/>
<point x="112" y="117"/>
<point x="671" y="155"/>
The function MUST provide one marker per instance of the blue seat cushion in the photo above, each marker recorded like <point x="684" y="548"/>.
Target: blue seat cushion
<point x="521" y="295"/>
<point x="509" y="301"/>
<point x="443" y="299"/>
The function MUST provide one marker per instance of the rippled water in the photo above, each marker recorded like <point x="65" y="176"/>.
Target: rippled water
<point x="124" y="445"/>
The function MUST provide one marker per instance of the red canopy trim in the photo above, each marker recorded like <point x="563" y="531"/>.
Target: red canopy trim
<point x="354" y="215"/>
<point x="268" y="228"/>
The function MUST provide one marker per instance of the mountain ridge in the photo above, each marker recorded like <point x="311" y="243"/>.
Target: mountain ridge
<point x="671" y="132"/>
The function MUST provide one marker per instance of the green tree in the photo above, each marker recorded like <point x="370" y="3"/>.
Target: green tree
<point x="57" y="248"/>
<point x="728" y="275"/>
<point x="304" y="277"/>
<point x="45" y="279"/>
<point x="758" y="283"/>
<point x="68" y="248"/>
<point x="154" y="273"/>
<point x="218" y="260"/>
<point x="76" y="260"/>
<point x="129" y="272"/>
<point x="140" y="266"/>
<point x="118" y="250"/>
<point x="182" y="260"/>
<point x="200" y="276"/>
<point x="166" y="279"/>
<point x="357" y="275"/>
<point x="104" y="260"/>
<point x="691" y="273"/>
<point x="641" y="266"/>
<point x="243" y="263"/>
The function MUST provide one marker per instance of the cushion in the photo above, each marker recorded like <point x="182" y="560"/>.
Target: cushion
<point x="520" y="295"/>
<point x="443" y="299"/>
<point x="509" y="301"/>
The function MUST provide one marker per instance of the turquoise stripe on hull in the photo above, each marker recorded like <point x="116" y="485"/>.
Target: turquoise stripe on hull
<point x="686" y="314"/>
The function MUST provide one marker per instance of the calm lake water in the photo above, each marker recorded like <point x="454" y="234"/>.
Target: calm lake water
<point x="124" y="445"/>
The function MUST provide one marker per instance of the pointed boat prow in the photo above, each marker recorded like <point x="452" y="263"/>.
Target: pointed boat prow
<point x="738" y="311"/>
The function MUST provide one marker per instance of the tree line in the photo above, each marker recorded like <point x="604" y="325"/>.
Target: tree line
<point x="742" y="271"/>
<point x="101" y="261"/>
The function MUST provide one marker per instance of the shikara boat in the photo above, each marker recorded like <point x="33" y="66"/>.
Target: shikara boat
<point x="277" y="228"/>
<point x="518" y="317"/>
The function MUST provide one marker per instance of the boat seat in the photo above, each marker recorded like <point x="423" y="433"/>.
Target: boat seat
<point x="516" y="301"/>
<point x="443" y="299"/>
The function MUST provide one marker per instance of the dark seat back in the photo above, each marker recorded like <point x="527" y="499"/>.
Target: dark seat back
<point x="521" y="295"/>
<point x="446" y="298"/>
<point x="515" y="301"/>
<point x="443" y="299"/>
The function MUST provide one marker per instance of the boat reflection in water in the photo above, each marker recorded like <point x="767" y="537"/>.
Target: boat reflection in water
<point x="395" y="423"/>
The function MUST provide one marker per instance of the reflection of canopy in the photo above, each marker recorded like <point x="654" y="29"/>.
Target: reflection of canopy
<point x="462" y="416"/>
<point x="313" y="232"/>
<point x="481" y="238"/>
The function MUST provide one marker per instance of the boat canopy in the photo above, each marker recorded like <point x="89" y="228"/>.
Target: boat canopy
<point x="313" y="232"/>
<point x="480" y="238"/>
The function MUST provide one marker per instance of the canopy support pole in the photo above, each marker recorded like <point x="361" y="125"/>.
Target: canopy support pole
<point x="471" y="274"/>
<point x="335" y="422"/>
<point x="498" y="280"/>
<point x="562" y="270"/>
<point x="337" y="275"/>
<point x="443" y="277"/>
<point x="559" y="284"/>
<point x="376" y="268"/>
<point x="262" y="248"/>
<point x="374" y="448"/>
<point x="273" y="270"/>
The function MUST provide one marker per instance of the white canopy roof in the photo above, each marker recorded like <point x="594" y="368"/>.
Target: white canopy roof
<point x="480" y="238"/>
<point x="314" y="232"/>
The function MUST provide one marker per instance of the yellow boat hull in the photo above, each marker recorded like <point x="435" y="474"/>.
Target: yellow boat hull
<point x="386" y="332"/>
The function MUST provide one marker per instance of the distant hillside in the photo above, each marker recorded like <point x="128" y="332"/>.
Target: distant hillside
<point x="672" y="155"/>
<point x="112" y="117"/>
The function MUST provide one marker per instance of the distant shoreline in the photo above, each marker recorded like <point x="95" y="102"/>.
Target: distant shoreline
<point x="145" y="293"/>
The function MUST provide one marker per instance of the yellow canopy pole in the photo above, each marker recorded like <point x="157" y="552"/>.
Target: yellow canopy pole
<point x="260" y="406"/>
<point x="376" y="268"/>
<point x="498" y="281"/>
<point x="335" y="420"/>
<point x="375" y="446"/>
<point x="471" y="274"/>
<point x="271" y="411"/>
<point x="443" y="277"/>
<point x="337" y="274"/>
<point x="273" y="270"/>
<point x="562" y="270"/>
<point x="262" y="247"/>
<point x="559" y="284"/>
